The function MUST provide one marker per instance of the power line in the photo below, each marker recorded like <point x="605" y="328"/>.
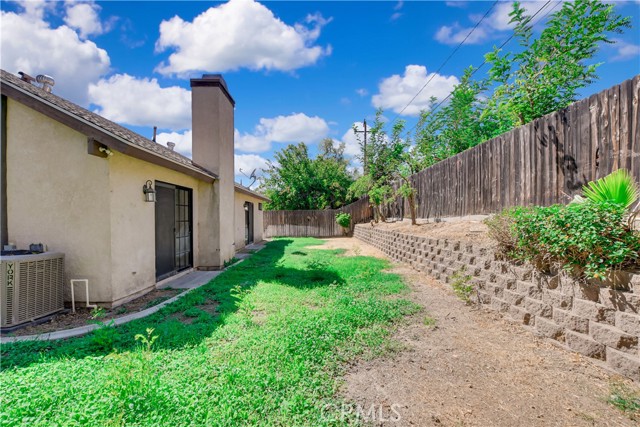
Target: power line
<point x="446" y="60"/>
<point x="485" y="61"/>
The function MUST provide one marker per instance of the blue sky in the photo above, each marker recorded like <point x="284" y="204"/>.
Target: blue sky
<point x="299" y="71"/>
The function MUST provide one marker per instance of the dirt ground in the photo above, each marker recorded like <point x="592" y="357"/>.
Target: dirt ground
<point x="471" y="230"/>
<point x="464" y="366"/>
<point x="82" y="316"/>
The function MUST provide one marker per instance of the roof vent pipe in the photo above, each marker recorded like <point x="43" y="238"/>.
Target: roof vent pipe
<point x="47" y="82"/>
<point x="26" y="77"/>
<point x="171" y="145"/>
<point x="155" y="133"/>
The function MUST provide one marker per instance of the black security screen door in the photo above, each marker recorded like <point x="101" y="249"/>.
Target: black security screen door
<point x="173" y="229"/>
<point x="248" y="222"/>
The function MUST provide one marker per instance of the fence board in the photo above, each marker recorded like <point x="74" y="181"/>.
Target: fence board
<point x="316" y="223"/>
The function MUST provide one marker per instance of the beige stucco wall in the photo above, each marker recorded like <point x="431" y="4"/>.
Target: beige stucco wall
<point x="133" y="222"/>
<point x="93" y="208"/>
<point x="239" y="219"/>
<point x="57" y="194"/>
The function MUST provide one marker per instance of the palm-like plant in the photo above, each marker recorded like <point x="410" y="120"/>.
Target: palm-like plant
<point x="617" y="187"/>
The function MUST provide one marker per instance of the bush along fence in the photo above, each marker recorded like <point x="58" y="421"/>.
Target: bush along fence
<point x="314" y="223"/>
<point x="544" y="162"/>
<point x="589" y="318"/>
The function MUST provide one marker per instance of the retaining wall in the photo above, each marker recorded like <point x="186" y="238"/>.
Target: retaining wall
<point x="588" y="318"/>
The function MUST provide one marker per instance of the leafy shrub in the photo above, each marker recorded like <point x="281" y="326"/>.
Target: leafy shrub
<point x="461" y="286"/>
<point x="502" y="229"/>
<point x="317" y="264"/>
<point x="230" y="262"/>
<point x="192" y="312"/>
<point x="626" y="398"/>
<point x="148" y="340"/>
<point x="105" y="337"/>
<point x="343" y="219"/>
<point x="587" y="238"/>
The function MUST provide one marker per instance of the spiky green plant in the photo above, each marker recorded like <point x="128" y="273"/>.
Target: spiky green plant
<point x="617" y="187"/>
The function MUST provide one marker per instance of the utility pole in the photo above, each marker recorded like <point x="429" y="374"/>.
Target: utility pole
<point x="364" y="151"/>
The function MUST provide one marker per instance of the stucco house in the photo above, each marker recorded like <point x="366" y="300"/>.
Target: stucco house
<point x="126" y="211"/>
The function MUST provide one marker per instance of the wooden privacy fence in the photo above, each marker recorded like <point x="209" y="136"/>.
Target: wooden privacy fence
<point x="544" y="162"/>
<point x="315" y="223"/>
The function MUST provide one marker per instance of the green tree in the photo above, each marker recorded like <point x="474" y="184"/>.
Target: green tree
<point x="456" y="126"/>
<point x="388" y="168"/>
<point x="295" y="181"/>
<point x="544" y="76"/>
<point x="332" y="174"/>
<point x="377" y="171"/>
<point x="547" y="72"/>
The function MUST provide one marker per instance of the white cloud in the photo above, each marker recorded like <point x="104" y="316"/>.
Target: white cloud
<point x="397" y="14"/>
<point x="239" y="34"/>
<point x="499" y="18"/>
<point x="251" y="143"/>
<point x="351" y="142"/>
<point x="182" y="141"/>
<point x="29" y="44"/>
<point x="246" y="162"/>
<point x="297" y="127"/>
<point x="35" y="9"/>
<point x="362" y="92"/>
<point x="294" y="128"/>
<point x="352" y="148"/>
<point x="454" y="34"/>
<point x="495" y="22"/>
<point x="625" y="50"/>
<point x="396" y="91"/>
<point x="84" y="18"/>
<point x="249" y="162"/>
<point x="142" y="102"/>
<point x="457" y="3"/>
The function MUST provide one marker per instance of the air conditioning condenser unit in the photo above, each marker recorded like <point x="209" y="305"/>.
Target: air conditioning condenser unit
<point x="31" y="287"/>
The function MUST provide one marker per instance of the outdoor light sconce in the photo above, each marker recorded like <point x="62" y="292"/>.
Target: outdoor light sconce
<point x="149" y="192"/>
<point x="106" y="151"/>
<point x="246" y="207"/>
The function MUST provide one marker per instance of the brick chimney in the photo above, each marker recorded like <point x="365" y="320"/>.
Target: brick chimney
<point x="212" y="109"/>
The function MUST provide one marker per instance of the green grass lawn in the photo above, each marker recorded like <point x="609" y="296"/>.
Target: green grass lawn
<point x="265" y="343"/>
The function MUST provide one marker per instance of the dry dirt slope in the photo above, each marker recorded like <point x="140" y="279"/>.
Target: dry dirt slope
<point x="472" y="368"/>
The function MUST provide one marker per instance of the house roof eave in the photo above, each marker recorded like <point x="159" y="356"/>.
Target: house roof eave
<point x="100" y="134"/>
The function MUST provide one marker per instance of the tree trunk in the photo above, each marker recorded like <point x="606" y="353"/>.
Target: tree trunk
<point x="412" y="207"/>
<point x="411" y="198"/>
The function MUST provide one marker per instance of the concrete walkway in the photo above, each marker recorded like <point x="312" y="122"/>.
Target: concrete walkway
<point x="192" y="280"/>
<point x="248" y="250"/>
<point x="189" y="282"/>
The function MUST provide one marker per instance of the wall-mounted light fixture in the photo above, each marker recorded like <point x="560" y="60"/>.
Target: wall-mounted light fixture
<point x="246" y="207"/>
<point x="149" y="192"/>
<point x="106" y="151"/>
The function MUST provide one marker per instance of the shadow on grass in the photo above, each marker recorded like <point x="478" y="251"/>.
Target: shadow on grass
<point x="173" y="332"/>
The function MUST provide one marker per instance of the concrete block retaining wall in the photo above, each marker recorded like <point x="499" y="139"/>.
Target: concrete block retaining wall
<point x="590" y="319"/>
